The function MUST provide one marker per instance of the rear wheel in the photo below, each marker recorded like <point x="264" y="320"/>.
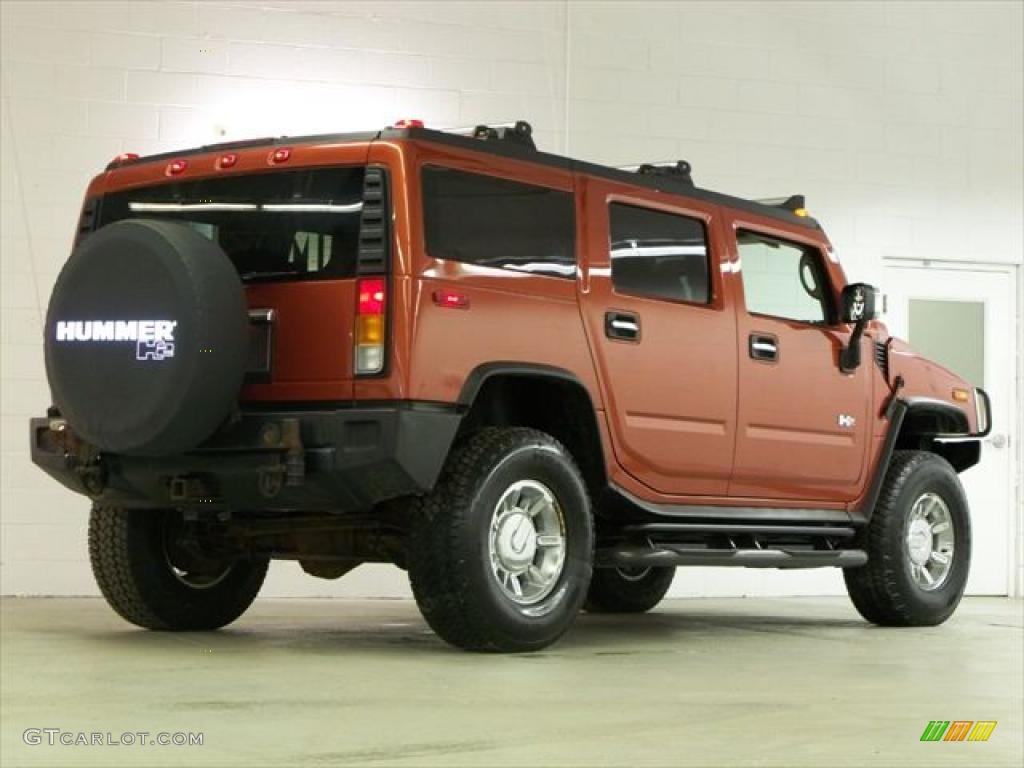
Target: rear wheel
<point x="152" y="578"/>
<point x="628" y="590"/>
<point x="500" y="552"/>
<point x="918" y="544"/>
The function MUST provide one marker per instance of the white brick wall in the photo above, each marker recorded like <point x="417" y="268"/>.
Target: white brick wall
<point x="901" y="122"/>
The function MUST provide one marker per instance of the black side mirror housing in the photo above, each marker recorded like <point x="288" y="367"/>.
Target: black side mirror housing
<point x="859" y="305"/>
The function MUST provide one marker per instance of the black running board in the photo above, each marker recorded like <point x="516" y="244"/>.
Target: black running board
<point x="637" y="556"/>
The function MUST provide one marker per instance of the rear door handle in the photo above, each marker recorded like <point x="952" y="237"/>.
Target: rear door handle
<point x="764" y="347"/>
<point x="624" y="326"/>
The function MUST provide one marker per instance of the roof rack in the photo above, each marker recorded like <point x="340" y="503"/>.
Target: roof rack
<point x="678" y="169"/>
<point x="519" y="132"/>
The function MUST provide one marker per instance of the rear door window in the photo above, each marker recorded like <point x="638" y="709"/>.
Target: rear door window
<point x="285" y="225"/>
<point x="658" y="255"/>
<point x="492" y="222"/>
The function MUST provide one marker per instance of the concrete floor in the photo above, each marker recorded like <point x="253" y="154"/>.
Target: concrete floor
<point x="767" y="682"/>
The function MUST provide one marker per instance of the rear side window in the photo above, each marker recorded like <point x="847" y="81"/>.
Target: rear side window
<point x="494" y="222"/>
<point x="659" y="255"/>
<point x="273" y="226"/>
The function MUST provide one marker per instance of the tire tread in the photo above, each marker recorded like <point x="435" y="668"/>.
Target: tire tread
<point x="135" y="596"/>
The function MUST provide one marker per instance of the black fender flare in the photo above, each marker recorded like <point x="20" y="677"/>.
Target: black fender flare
<point x="479" y="376"/>
<point x="897" y="412"/>
<point x="582" y="436"/>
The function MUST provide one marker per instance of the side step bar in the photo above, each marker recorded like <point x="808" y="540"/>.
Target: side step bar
<point x="635" y="556"/>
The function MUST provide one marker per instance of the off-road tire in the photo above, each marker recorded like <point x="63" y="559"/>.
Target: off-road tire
<point x="448" y="550"/>
<point x="883" y="590"/>
<point x="129" y="562"/>
<point x="614" y="590"/>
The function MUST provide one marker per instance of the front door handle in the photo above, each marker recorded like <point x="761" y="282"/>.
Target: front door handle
<point x="764" y="347"/>
<point x="623" y="326"/>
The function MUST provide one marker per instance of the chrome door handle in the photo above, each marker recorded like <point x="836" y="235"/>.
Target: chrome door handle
<point x="623" y="326"/>
<point x="764" y="347"/>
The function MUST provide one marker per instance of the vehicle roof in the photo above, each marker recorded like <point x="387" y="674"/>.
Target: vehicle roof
<point x="677" y="185"/>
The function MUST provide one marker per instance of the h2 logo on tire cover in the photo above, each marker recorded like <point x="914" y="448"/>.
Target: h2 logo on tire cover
<point x="154" y="338"/>
<point x="154" y="350"/>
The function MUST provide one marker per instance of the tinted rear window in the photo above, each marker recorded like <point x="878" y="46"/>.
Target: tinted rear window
<point x="273" y="226"/>
<point x="494" y="222"/>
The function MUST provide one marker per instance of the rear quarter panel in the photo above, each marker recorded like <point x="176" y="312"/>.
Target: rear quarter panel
<point x="511" y="317"/>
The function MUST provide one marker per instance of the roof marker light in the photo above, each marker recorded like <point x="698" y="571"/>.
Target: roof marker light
<point x="124" y="157"/>
<point x="176" y="166"/>
<point x="227" y="161"/>
<point x="280" y="155"/>
<point x="408" y="123"/>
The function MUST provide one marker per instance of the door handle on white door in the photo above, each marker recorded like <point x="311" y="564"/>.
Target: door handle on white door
<point x="998" y="441"/>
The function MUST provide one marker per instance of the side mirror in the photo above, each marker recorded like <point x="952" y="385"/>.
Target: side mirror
<point x="859" y="305"/>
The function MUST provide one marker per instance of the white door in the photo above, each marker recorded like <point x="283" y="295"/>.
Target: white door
<point x="965" y="319"/>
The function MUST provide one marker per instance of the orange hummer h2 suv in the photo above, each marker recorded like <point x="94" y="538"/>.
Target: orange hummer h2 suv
<point x="537" y="384"/>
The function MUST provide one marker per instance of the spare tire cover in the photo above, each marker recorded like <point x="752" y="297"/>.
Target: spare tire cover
<point x="146" y="338"/>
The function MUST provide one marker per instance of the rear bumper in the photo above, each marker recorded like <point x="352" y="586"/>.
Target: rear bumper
<point x="347" y="459"/>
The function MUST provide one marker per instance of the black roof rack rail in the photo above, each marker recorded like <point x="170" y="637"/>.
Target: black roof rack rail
<point x="679" y="169"/>
<point x="520" y="132"/>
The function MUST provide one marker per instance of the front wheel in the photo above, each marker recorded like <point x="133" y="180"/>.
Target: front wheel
<point x="150" y="576"/>
<point x="918" y="544"/>
<point x="500" y="552"/>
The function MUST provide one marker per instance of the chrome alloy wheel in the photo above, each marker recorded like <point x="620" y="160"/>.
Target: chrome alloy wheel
<point x="930" y="541"/>
<point x="526" y="542"/>
<point x="176" y="558"/>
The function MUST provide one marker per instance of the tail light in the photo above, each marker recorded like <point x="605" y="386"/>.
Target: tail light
<point x="370" y="325"/>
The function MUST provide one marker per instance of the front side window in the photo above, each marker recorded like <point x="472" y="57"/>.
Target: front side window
<point x="658" y="255"/>
<point x="273" y="226"/>
<point x="494" y="222"/>
<point x="783" y="279"/>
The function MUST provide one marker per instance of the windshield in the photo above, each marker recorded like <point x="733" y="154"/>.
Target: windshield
<point x="273" y="226"/>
